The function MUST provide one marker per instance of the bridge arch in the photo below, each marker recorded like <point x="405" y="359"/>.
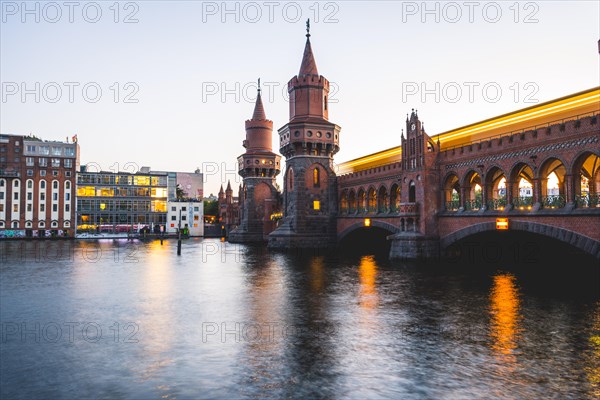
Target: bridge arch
<point x="472" y="190"/>
<point x="519" y="186"/>
<point x="451" y="190"/>
<point x="382" y="199"/>
<point x="585" y="170"/>
<point x="495" y="187"/>
<point x="360" y="225"/>
<point x="584" y="243"/>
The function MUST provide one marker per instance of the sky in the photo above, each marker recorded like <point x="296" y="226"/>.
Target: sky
<point x="170" y="84"/>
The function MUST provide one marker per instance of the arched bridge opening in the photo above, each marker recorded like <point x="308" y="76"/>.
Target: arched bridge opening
<point x="366" y="238"/>
<point x="524" y="244"/>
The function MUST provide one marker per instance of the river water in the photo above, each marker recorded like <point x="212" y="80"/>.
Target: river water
<point x="118" y="320"/>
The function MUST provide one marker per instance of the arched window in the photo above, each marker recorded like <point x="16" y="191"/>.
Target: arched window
<point x="412" y="195"/>
<point x="316" y="178"/>
<point x="291" y="179"/>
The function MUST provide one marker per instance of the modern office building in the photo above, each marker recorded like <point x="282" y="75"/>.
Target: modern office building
<point x="109" y="202"/>
<point x="37" y="179"/>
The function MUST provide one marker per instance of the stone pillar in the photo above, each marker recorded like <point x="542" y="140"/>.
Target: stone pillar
<point x="538" y="185"/>
<point x="414" y="246"/>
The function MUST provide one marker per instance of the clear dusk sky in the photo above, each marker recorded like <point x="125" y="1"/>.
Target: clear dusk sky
<point x="178" y="78"/>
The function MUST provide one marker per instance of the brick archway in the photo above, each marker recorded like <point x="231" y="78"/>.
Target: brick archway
<point x="374" y="223"/>
<point x="584" y="243"/>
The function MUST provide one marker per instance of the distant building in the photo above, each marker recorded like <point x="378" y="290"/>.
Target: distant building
<point x="109" y="202"/>
<point x="120" y="202"/>
<point x="37" y="190"/>
<point x="229" y="208"/>
<point x="187" y="215"/>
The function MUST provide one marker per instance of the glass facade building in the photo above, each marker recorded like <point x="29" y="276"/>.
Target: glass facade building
<point x="110" y="202"/>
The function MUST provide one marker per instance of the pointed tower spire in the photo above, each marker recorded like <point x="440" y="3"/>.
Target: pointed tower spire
<point x="259" y="110"/>
<point x="229" y="187"/>
<point x="308" y="66"/>
<point x="221" y="190"/>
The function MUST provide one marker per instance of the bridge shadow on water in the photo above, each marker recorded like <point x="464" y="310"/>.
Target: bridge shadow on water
<point x="366" y="241"/>
<point x="547" y="264"/>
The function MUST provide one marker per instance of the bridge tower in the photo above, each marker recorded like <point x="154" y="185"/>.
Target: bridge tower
<point x="308" y="141"/>
<point x="419" y="184"/>
<point x="259" y="167"/>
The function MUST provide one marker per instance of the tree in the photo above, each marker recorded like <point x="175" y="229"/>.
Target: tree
<point x="179" y="192"/>
<point x="211" y="207"/>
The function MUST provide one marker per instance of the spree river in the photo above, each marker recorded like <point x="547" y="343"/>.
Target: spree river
<point x="118" y="320"/>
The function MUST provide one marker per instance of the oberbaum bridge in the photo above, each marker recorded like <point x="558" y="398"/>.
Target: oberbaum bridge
<point x="534" y="170"/>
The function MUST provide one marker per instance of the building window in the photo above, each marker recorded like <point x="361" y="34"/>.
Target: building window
<point x="29" y="207"/>
<point x="45" y="150"/>
<point x="183" y="218"/>
<point x="69" y="151"/>
<point x="43" y="184"/>
<point x="67" y="185"/>
<point x="67" y="207"/>
<point x="16" y="183"/>
<point x="54" y="173"/>
<point x="42" y="207"/>
<point x="68" y="163"/>
<point x="56" y="162"/>
<point x="56" y="151"/>
<point x="1" y="182"/>
<point x="55" y="184"/>
<point x="16" y="196"/>
<point x="29" y="184"/>
<point x="316" y="205"/>
<point x="54" y="207"/>
<point x="30" y="148"/>
<point x="17" y="149"/>
<point x="43" y="172"/>
<point x="316" y="177"/>
<point x="1" y="195"/>
<point x="183" y="209"/>
<point x="67" y="196"/>
<point x="54" y="196"/>
<point x="173" y="218"/>
<point x="196" y="208"/>
<point x="15" y="208"/>
<point x="29" y="161"/>
<point x="42" y="196"/>
<point x="173" y="209"/>
<point x="68" y="174"/>
<point x="29" y="196"/>
<point x="43" y="162"/>
<point x="15" y="224"/>
<point x="29" y="172"/>
<point x="2" y="207"/>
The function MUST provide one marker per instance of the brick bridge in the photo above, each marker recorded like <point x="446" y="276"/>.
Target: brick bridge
<point x="539" y="168"/>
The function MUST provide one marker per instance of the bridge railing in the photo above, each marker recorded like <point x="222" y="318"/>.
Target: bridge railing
<point x="497" y="204"/>
<point x="400" y="209"/>
<point x="553" y="201"/>
<point x="589" y="200"/>
<point x="522" y="202"/>
<point x="473" y="205"/>
<point x="453" y="205"/>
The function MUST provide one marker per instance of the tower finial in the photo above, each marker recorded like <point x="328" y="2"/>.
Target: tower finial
<point x="258" y="85"/>
<point x="308" y="28"/>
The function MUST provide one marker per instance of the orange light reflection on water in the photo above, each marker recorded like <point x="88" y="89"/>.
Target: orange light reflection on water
<point x="505" y="315"/>
<point x="367" y="272"/>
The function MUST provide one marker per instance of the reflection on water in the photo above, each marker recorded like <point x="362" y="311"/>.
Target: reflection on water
<point x="367" y="271"/>
<point x="228" y="321"/>
<point x="505" y="318"/>
<point x="593" y="355"/>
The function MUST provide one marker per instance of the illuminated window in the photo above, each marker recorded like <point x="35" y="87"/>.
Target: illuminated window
<point x="141" y="180"/>
<point x="159" y="192"/>
<point x="316" y="178"/>
<point x="86" y="191"/>
<point x="316" y="205"/>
